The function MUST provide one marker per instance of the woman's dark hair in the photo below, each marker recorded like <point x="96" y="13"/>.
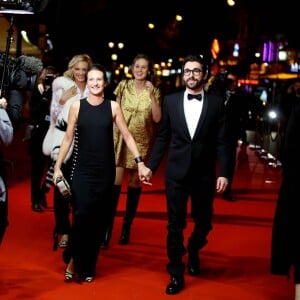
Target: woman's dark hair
<point x="100" y="68"/>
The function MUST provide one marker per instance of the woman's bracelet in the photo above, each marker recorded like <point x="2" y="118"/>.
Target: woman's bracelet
<point x="138" y="159"/>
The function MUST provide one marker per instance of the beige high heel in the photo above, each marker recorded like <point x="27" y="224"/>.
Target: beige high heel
<point x="69" y="276"/>
<point x="64" y="241"/>
<point x="69" y="272"/>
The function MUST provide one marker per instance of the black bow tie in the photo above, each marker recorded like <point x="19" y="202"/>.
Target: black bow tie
<point x="196" y="96"/>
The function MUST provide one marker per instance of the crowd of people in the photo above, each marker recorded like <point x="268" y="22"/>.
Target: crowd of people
<point x="80" y="137"/>
<point x="11" y="114"/>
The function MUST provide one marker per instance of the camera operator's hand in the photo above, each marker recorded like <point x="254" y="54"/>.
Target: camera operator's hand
<point x="3" y="103"/>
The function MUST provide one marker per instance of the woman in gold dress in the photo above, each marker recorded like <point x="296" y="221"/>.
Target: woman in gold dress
<point x="140" y="101"/>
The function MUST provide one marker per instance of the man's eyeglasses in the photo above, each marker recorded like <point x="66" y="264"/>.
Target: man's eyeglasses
<point x="194" y="71"/>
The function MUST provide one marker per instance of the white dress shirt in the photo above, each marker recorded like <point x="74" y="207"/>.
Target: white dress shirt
<point x="192" y="112"/>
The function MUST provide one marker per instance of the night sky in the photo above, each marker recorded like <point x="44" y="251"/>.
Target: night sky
<point x="87" y="25"/>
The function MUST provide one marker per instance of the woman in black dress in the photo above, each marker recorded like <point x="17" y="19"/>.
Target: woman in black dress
<point x="90" y="123"/>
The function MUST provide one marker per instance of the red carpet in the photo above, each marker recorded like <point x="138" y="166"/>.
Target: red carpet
<point x="235" y="263"/>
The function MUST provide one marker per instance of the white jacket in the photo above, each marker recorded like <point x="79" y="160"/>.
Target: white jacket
<point x="59" y="117"/>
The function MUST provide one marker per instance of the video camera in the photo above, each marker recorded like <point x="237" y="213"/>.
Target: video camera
<point x="22" y="6"/>
<point x="49" y="79"/>
<point x="15" y="74"/>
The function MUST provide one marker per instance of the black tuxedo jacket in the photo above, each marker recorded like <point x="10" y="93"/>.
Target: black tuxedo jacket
<point x="209" y="144"/>
<point x="285" y="250"/>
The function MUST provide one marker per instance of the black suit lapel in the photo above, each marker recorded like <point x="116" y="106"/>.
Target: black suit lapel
<point x="203" y="115"/>
<point x="182" y="120"/>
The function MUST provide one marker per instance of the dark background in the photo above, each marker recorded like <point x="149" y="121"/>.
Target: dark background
<point x="87" y="25"/>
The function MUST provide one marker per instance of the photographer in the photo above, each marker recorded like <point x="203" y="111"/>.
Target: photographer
<point x="236" y="103"/>
<point x="287" y="101"/>
<point x="291" y="98"/>
<point x="15" y="77"/>
<point x="6" y="136"/>
<point x="39" y="111"/>
<point x="10" y="117"/>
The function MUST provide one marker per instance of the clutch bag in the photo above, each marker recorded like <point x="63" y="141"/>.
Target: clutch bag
<point x="63" y="186"/>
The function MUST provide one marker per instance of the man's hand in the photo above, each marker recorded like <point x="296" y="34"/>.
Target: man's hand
<point x="222" y="183"/>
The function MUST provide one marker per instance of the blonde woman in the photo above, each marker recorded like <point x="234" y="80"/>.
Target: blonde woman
<point x="66" y="89"/>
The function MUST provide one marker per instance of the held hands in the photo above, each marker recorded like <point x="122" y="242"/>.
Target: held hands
<point x="145" y="174"/>
<point x="221" y="184"/>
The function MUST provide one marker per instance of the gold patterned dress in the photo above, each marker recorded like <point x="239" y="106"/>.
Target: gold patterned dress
<point x="138" y="116"/>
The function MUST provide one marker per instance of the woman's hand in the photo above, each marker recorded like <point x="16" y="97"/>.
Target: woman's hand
<point x="149" y="87"/>
<point x="67" y="94"/>
<point x="57" y="173"/>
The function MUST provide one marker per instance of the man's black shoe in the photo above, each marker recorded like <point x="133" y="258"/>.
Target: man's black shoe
<point x="37" y="208"/>
<point x="175" y="285"/>
<point x="193" y="265"/>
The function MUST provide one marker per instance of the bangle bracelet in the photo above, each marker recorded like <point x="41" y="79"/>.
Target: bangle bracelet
<point x="138" y="159"/>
